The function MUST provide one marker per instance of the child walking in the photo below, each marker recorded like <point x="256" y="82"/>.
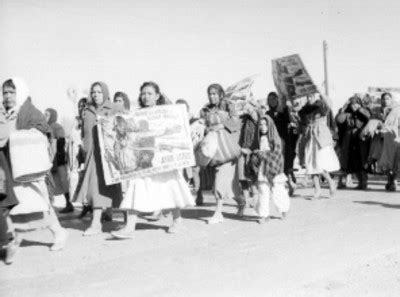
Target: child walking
<point x="266" y="165"/>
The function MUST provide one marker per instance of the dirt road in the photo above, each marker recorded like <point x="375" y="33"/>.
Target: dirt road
<point x="345" y="246"/>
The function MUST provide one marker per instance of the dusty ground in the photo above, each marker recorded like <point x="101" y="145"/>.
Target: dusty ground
<point x="346" y="246"/>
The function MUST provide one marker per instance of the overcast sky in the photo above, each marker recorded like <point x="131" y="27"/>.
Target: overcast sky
<point x="185" y="45"/>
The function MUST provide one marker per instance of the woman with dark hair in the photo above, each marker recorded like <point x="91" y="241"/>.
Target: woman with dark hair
<point x="59" y="169"/>
<point x="218" y="115"/>
<point x="351" y="120"/>
<point x="389" y="161"/>
<point x="162" y="191"/>
<point x="319" y="155"/>
<point x="75" y="154"/>
<point x="122" y="99"/>
<point x="92" y="188"/>
<point x="281" y="117"/>
<point x="266" y="167"/>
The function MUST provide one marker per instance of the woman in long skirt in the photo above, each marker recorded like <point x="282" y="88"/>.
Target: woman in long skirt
<point x="226" y="183"/>
<point x="92" y="188"/>
<point x="320" y="157"/>
<point x="59" y="170"/>
<point x="162" y="191"/>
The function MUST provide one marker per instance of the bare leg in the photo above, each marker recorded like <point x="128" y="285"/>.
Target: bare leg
<point x="127" y="232"/>
<point x="217" y="216"/>
<point x="177" y="221"/>
<point x="317" y="187"/>
<point x="331" y="182"/>
<point x="95" y="226"/>
<point x="13" y="243"/>
<point x="59" y="233"/>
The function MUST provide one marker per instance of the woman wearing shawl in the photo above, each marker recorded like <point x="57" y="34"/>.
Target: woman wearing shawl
<point x="218" y="115"/>
<point x="21" y="114"/>
<point x="351" y="120"/>
<point x="389" y="161"/>
<point x="281" y="117"/>
<point x="162" y="191"/>
<point x="266" y="168"/>
<point x="320" y="157"/>
<point x="248" y="142"/>
<point x="59" y="170"/>
<point x="92" y="188"/>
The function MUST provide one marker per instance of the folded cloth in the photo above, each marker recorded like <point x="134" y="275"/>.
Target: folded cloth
<point x="370" y="129"/>
<point x="29" y="155"/>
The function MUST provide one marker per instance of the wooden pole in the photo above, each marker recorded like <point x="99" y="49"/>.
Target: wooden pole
<point x="325" y="48"/>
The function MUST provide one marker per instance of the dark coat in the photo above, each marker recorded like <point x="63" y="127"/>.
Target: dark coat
<point x="92" y="187"/>
<point x="353" y="150"/>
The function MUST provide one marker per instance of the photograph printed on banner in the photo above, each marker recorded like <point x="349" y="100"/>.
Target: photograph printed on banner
<point x="145" y="142"/>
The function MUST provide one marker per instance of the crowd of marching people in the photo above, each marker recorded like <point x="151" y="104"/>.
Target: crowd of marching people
<point x="242" y="153"/>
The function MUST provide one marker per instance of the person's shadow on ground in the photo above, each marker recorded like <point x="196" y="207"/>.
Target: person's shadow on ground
<point x="377" y="203"/>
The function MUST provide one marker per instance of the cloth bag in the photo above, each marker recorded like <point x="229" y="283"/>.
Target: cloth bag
<point x="228" y="147"/>
<point x="207" y="149"/>
<point x="29" y="154"/>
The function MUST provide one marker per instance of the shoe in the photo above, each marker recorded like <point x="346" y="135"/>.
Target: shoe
<point x="216" y="219"/>
<point x="67" y="209"/>
<point x="316" y="196"/>
<point x="85" y="210"/>
<point x="11" y="251"/>
<point x="391" y="187"/>
<point x="155" y="216"/>
<point x="92" y="231"/>
<point x="175" y="227"/>
<point x="59" y="241"/>
<point x="263" y="220"/>
<point x="123" y="233"/>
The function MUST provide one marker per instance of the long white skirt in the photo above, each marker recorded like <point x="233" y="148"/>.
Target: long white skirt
<point x="32" y="197"/>
<point x="319" y="160"/>
<point x="167" y="190"/>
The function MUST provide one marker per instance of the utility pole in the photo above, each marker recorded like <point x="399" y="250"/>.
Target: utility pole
<point x="325" y="49"/>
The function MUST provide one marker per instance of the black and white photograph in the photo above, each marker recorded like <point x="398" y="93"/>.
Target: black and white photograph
<point x="199" y="148"/>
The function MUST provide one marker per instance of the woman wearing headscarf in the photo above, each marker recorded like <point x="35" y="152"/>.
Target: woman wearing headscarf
<point x="59" y="170"/>
<point x="92" y="188"/>
<point x="351" y="120"/>
<point x="319" y="155"/>
<point x="248" y="142"/>
<point x="220" y="115"/>
<point x="21" y="114"/>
